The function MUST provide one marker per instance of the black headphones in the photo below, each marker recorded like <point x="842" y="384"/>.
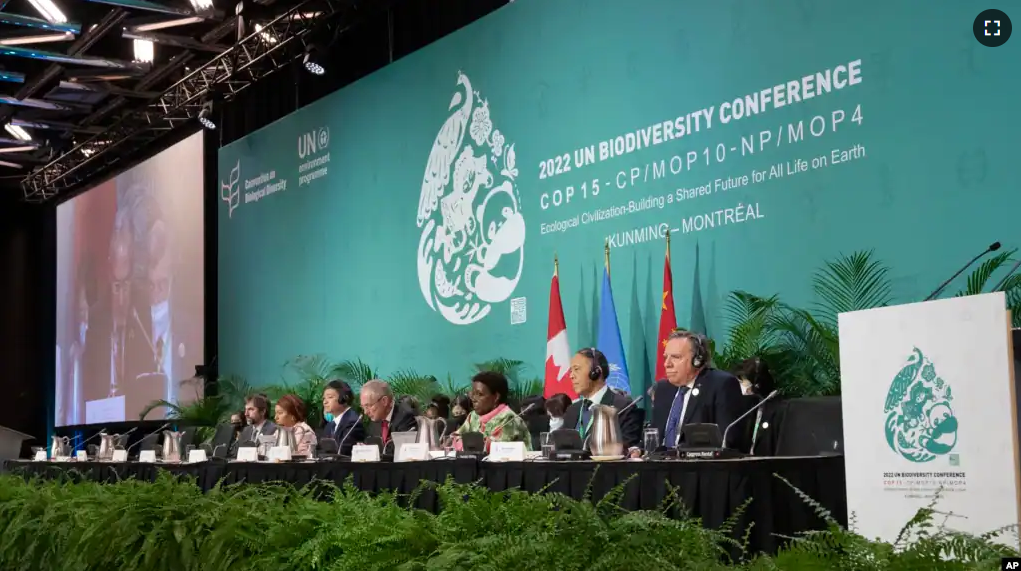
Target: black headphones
<point x="700" y="356"/>
<point x="596" y="371"/>
<point x="344" y="393"/>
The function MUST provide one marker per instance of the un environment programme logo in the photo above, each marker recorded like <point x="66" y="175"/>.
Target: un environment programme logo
<point x="230" y="191"/>
<point x="471" y="251"/>
<point x="920" y="421"/>
<point x="313" y="155"/>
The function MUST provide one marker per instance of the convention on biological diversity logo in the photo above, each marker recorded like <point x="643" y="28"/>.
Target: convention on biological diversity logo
<point x="920" y="421"/>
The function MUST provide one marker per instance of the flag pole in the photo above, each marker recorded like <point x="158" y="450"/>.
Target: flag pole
<point x="668" y="245"/>
<point x="606" y="251"/>
<point x="556" y="265"/>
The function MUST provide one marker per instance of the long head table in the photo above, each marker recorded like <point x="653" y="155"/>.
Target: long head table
<point x="710" y="490"/>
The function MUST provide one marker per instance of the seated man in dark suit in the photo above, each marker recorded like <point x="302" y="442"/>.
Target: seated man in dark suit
<point x="343" y="424"/>
<point x="694" y="392"/>
<point x="257" y="415"/>
<point x="589" y="368"/>
<point x="378" y="403"/>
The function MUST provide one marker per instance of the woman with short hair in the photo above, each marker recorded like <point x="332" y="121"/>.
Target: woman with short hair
<point x="490" y="414"/>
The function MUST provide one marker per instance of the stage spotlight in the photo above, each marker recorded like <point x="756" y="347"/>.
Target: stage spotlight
<point x="206" y="115"/>
<point x="312" y="62"/>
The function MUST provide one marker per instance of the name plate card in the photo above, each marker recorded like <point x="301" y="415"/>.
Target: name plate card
<point x="148" y="456"/>
<point x="413" y="451"/>
<point x="365" y="453"/>
<point x="507" y="452"/>
<point x="248" y="454"/>
<point x="197" y="456"/>
<point x="120" y="456"/>
<point x="40" y="456"/>
<point x="280" y="454"/>
<point x="82" y="456"/>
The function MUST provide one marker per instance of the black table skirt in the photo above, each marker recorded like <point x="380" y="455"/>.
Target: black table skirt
<point x="709" y="490"/>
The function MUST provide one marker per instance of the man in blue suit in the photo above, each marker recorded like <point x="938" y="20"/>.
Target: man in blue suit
<point x="343" y="424"/>
<point x="694" y="392"/>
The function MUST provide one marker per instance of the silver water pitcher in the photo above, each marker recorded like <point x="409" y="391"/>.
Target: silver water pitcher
<point x="61" y="447"/>
<point x="107" y="444"/>
<point x="285" y="437"/>
<point x="430" y="431"/>
<point x="604" y="434"/>
<point x="172" y="445"/>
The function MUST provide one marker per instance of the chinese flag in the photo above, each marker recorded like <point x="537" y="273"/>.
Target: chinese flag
<point x="667" y="317"/>
<point x="558" y="350"/>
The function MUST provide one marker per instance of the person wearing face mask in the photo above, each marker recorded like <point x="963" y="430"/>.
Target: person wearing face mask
<point x="694" y="392"/>
<point x="556" y="406"/>
<point x="237" y="420"/>
<point x="341" y="422"/>
<point x="490" y="414"/>
<point x="459" y="412"/>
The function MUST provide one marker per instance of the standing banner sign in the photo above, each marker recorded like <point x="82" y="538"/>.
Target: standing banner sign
<point x="929" y="405"/>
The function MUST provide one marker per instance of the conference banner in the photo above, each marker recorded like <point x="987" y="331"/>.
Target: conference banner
<point x="929" y="419"/>
<point x="411" y="219"/>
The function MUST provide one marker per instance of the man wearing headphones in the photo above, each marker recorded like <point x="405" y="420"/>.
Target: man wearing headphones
<point x="694" y="392"/>
<point x="589" y="369"/>
<point x="343" y="424"/>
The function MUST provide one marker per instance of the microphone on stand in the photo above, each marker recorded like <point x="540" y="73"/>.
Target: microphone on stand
<point x="1006" y="277"/>
<point x="141" y="440"/>
<point x="640" y="398"/>
<point x="101" y="432"/>
<point x="518" y="415"/>
<point x="340" y="443"/>
<point x="757" y="406"/>
<point x="992" y="248"/>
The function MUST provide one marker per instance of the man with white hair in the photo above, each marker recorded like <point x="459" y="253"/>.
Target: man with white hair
<point x="385" y="414"/>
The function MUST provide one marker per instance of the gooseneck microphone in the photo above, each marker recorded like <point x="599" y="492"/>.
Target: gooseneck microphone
<point x="340" y="443"/>
<point x="1006" y="277"/>
<point x="757" y="406"/>
<point x="518" y="415"/>
<point x="992" y="248"/>
<point x="141" y="440"/>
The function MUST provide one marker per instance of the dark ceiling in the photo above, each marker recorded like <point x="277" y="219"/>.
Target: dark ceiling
<point x="72" y="86"/>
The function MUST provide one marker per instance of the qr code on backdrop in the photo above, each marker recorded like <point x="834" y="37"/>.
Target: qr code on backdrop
<point x="518" y="311"/>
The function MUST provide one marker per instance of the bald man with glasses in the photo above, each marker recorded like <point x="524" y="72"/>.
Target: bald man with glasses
<point x="386" y="415"/>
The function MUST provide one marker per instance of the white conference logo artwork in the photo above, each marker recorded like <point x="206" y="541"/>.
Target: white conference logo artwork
<point x="230" y="191"/>
<point x="463" y="242"/>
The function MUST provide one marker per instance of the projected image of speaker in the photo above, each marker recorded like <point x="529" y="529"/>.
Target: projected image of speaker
<point x="130" y="307"/>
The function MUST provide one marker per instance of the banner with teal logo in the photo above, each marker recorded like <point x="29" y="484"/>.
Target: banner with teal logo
<point x="412" y="218"/>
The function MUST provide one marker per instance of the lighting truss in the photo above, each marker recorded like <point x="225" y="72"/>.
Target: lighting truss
<point x="263" y="51"/>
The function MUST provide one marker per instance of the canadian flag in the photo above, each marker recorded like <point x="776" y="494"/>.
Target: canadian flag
<point x="558" y="350"/>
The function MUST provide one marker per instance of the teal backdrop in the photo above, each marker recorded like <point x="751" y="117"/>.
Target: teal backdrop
<point x="411" y="219"/>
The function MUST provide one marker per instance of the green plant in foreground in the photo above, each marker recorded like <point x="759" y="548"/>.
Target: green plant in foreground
<point x="171" y="525"/>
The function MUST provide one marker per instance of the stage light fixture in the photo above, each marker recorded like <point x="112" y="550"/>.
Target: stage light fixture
<point x="145" y="52"/>
<point x="35" y="39"/>
<point x="17" y="132"/>
<point x="312" y="62"/>
<point x="49" y="10"/>
<point x="202" y="5"/>
<point x="206" y="115"/>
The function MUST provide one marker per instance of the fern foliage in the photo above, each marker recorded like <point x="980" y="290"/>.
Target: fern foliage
<point x="171" y="525"/>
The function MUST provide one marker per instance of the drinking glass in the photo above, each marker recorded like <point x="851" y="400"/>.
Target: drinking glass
<point x="650" y="440"/>
<point x="447" y="443"/>
<point x="546" y="444"/>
